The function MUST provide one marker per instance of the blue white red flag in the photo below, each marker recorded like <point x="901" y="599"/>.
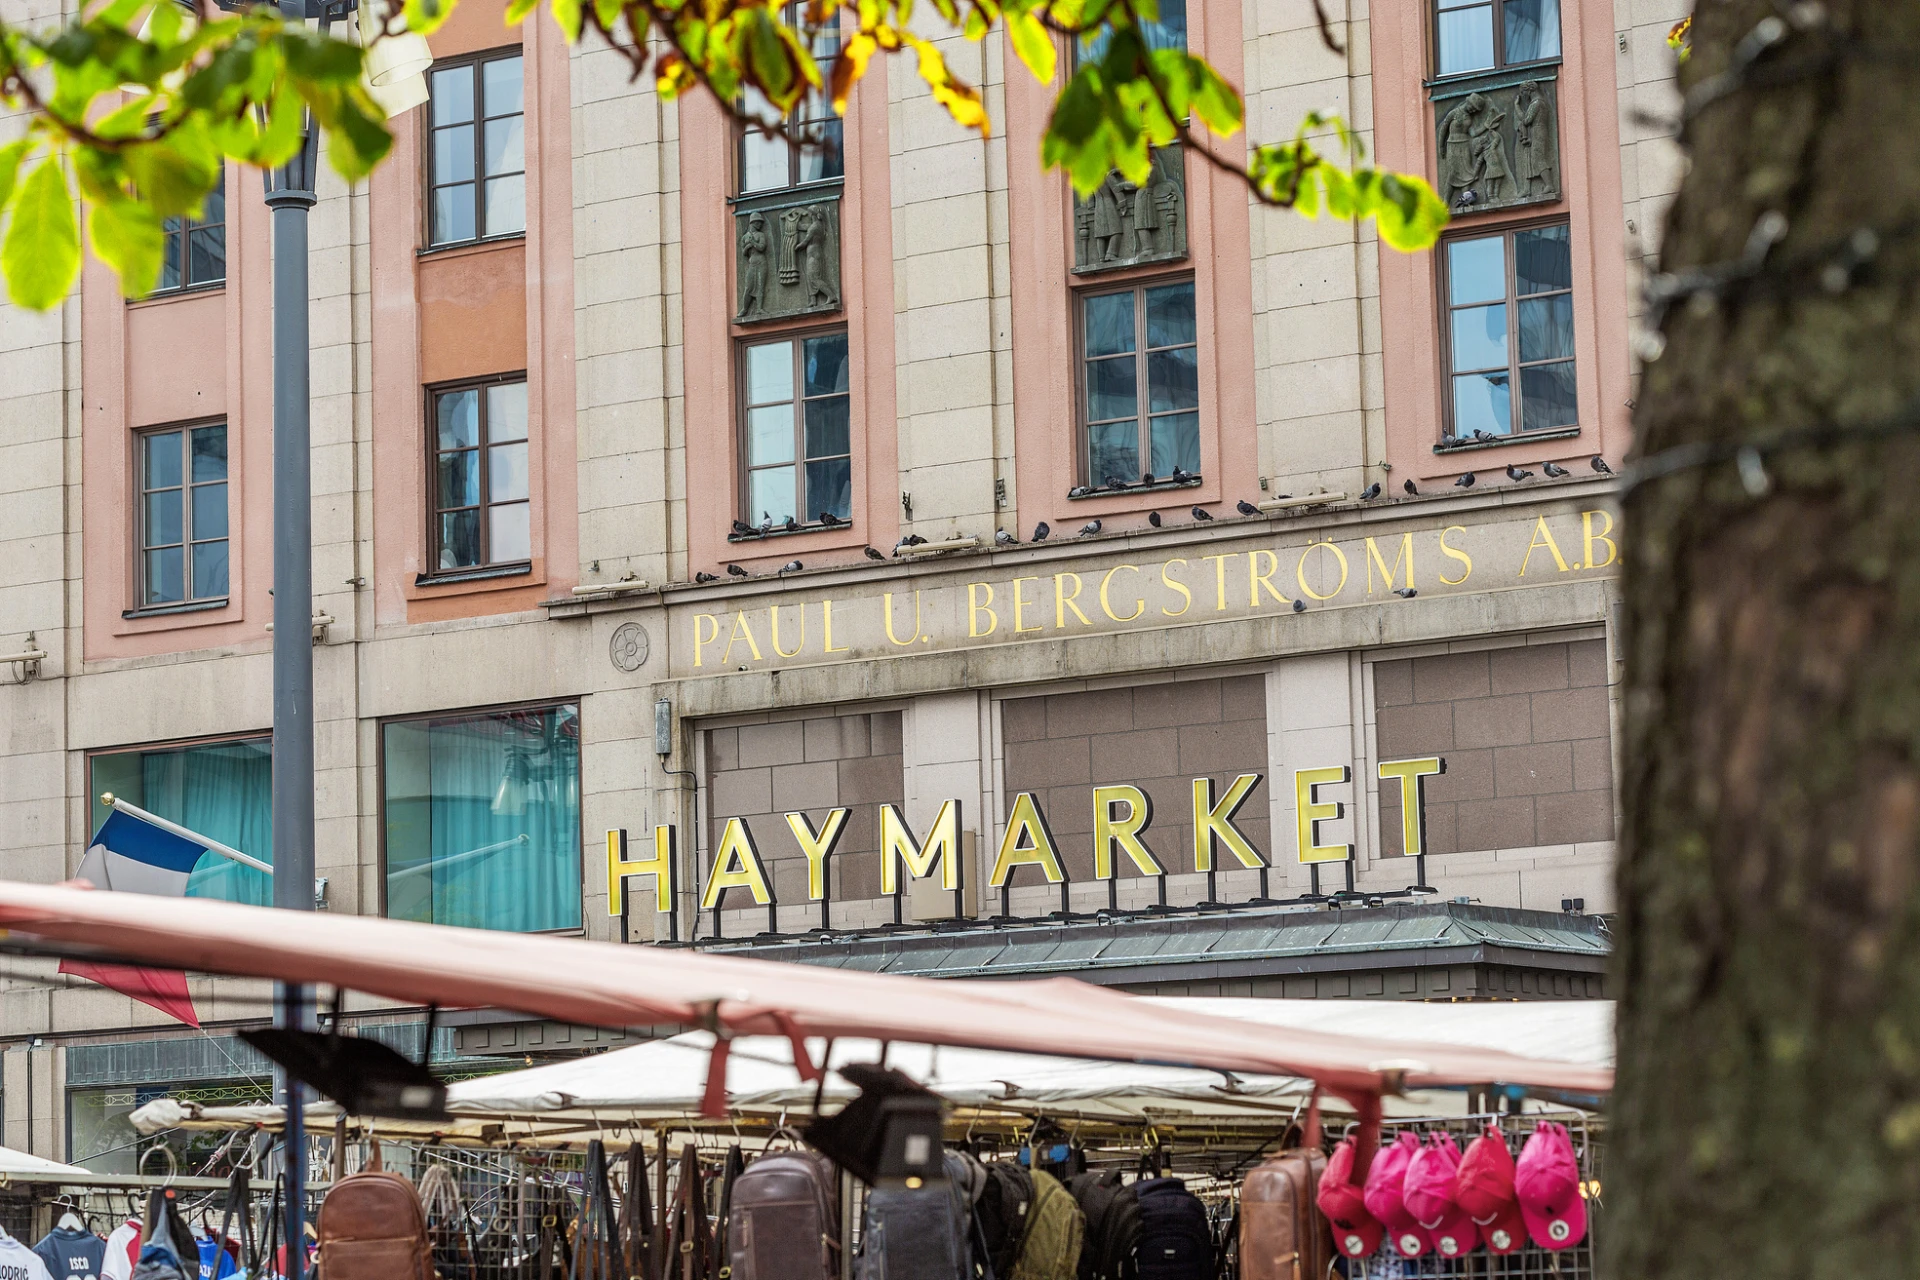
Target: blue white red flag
<point x="132" y="855"/>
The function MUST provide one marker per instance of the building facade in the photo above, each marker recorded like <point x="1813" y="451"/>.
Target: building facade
<point x="679" y="502"/>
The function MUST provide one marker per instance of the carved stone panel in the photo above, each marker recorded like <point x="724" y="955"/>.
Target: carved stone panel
<point x="1123" y="224"/>
<point x="787" y="259"/>
<point x="1498" y="144"/>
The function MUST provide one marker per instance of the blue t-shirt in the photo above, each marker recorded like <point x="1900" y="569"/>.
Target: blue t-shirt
<point x="72" y="1255"/>
<point x="215" y="1262"/>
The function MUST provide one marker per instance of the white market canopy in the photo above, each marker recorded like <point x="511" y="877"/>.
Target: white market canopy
<point x="14" y="1163"/>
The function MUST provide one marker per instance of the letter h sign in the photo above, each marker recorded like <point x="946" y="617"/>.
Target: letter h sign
<point x="661" y="866"/>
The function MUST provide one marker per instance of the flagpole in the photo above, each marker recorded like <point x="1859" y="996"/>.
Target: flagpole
<point x="112" y="801"/>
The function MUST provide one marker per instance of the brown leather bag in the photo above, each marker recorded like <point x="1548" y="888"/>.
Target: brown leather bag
<point x="1282" y="1235"/>
<point x="372" y="1227"/>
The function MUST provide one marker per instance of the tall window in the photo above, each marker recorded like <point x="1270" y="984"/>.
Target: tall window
<point x="1503" y="287"/>
<point x="768" y="162"/>
<point x="478" y="159"/>
<point x="222" y="790"/>
<point x="481" y="513"/>
<point x="1480" y="35"/>
<point x="183" y="515"/>
<point x="1169" y="31"/>
<point x="1140" y="393"/>
<point x="482" y="819"/>
<point x="195" y="249"/>
<point x="798" y="451"/>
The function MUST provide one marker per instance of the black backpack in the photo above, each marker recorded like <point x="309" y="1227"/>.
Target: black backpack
<point x="1176" y="1240"/>
<point x="1002" y="1213"/>
<point x="922" y="1233"/>
<point x="1113" y="1226"/>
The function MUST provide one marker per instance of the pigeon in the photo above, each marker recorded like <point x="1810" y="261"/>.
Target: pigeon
<point x="706" y="577"/>
<point x="766" y="522"/>
<point x="1115" y="482"/>
<point x="1448" y="442"/>
<point x="1554" y="471"/>
<point x="1464" y="482"/>
<point x="1369" y="493"/>
<point x="1599" y="464"/>
<point x="1004" y="539"/>
<point x="1148" y="478"/>
<point x="1201" y="513"/>
<point x="791" y="525"/>
<point x="791" y="566"/>
<point x="1181" y="475"/>
<point x="1413" y="490"/>
<point x="1484" y="437"/>
<point x="737" y="571"/>
<point x="1405" y="593"/>
<point x="1090" y="528"/>
<point x="915" y="540"/>
<point x="831" y="520"/>
<point x="1041" y="530"/>
<point x="1153" y="518"/>
<point x="872" y="554"/>
<point x="1299" y="606"/>
<point x="1246" y="508"/>
<point x="1078" y="491"/>
<point x="1516" y="475"/>
<point x="744" y="529"/>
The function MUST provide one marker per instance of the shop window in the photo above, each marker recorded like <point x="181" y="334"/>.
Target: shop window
<point x="1482" y="35"/>
<point x="481" y="815"/>
<point x="1140" y="384"/>
<point x="477" y="154"/>
<point x="1168" y="31"/>
<point x="1510" y="322"/>
<point x="797" y="444"/>
<point x="101" y="1137"/>
<point x="769" y="162"/>
<point x="182" y="517"/>
<point x="481" y="516"/>
<point x="222" y="790"/>
<point x="194" y="250"/>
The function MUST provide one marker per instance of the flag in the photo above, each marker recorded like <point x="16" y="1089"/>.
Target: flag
<point x="131" y="855"/>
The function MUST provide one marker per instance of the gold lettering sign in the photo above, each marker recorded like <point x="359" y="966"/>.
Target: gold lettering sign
<point x="666" y="857"/>
<point x="1310" y="811"/>
<point x="736" y="865"/>
<point x="1413" y="775"/>
<point x="1028" y="843"/>
<point x="1213" y="822"/>
<point x="898" y="846"/>
<point x="1125" y="834"/>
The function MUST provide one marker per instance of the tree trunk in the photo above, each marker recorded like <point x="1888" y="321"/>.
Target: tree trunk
<point x="1767" y="1117"/>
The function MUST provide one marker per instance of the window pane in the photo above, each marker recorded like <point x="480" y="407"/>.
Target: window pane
<point x="1480" y="337"/>
<point x="459" y="419"/>
<point x="506" y="475"/>
<point x="1482" y="402"/>
<point x="830" y="488"/>
<point x="453" y="154"/>
<point x="162" y="469"/>
<point x="209" y="511"/>
<point x="1109" y="324"/>
<point x="1547" y="396"/>
<point x="453" y="214"/>
<point x="824" y="157"/>
<point x="1466" y="40"/>
<point x="1170" y="32"/>
<point x="1546" y="327"/>
<point x="763" y="162"/>
<point x="507" y="411"/>
<point x="1112" y="389"/>
<point x="210" y="453"/>
<point x="164" y="572"/>
<point x="1173" y="380"/>
<point x="770" y="493"/>
<point x="221" y="789"/>
<point x="215" y="209"/>
<point x="459" y="478"/>
<point x="1476" y="270"/>
<point x="770" y="434"/>
<point x="163" y="518"/>
<point x="1170" y="315"/>
<point x="827" y="427"/>
<point x="210" y="571"/>
<point x="506" y="145"/>
<point x="452" y="91"/>
<point x="170" y="257"/>
<point x="769" y="372"/>
<point x="459" y="539"/>
<point x="1113" y="449"/>
<point x="1542" y="260"/>
<point x="501" y="83"/>
<point x="506" y="205"/>
<point x="507" y="527"/>
<point x="1176" y="443"/>
<point x="825" y="363"/>
<point x="206" y="255"/>
<point x="1533" y="30"/>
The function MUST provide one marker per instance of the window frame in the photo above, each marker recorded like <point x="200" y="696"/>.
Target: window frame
<point x="574" y="701"/>
<point x="1500" y="63"/>
<point x="174" y="744"/>
<point x="179" y="230"/>
<point x="1516" y="408"/>
<point x="482" y="449"/>
<point x="1137" y="286"/>
<point x="743" y="408"/>
<point x="144" y="605"/>
<point x="790" y="13"/>
<point x="473" y="64"/>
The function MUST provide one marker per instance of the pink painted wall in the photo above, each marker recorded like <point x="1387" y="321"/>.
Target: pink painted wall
<point x="866" y="286"/>
<point x="1591" y="203"/>
<point x="1040" y="215"/>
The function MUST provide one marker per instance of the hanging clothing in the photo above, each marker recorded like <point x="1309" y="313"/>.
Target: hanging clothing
<point x="71" y="1254"/>
<point x="215" y="1262"/>
<point x="17" y="1262"/>
<point x="123" y="1250"/>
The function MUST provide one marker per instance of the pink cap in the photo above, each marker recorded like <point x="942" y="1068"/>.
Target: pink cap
<point x="1484" y="1188"/>
<point x="1356" y="1232"/>
<point x="1428" y="1194"/>
<point x="1547" y="1183"/>
<point x="1385" y="1188"/>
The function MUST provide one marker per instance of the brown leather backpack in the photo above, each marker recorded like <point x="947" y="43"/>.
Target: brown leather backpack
<point x="372" y="1227"/>
<point x="1282" y="1235"/>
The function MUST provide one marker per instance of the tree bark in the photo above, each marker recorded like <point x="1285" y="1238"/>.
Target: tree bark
<point x="1767" y="1116"/>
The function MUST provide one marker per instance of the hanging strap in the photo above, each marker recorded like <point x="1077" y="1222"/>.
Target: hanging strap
<point x="596" y="1242"/>
<point x="440" y="1199"/>
<point x="722" y="1267"/>
<point x="636" y="1215"/>
<point x="690" y="1238"/>
<point x="238" y="1192"/>
<point x="267" y="1263"/>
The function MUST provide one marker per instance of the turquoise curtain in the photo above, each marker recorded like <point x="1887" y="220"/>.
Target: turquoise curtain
<point x="224" y="791"/>
<point x="483" y="820"/>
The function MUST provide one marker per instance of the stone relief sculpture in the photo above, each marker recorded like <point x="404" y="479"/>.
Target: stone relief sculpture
<point x="1497" y="148"/>
<point x="1125" y="223"/>
<point x="787" y="260"/>
<point x="1536" y="152"/>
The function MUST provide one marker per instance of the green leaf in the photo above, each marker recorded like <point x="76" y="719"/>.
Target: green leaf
<point x="518" y="10"/>
<point x="41" y="256"/>
<point x="1034" y="45"/>
<point x="10" y="157"/>
<point x="312" y="56"/>
<point x="766" y="56"/>
<point x="569" y="15"/>
<point x="126" y="236"/>
<point x="426" y="16"/>
<point x="166" y="178"/>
